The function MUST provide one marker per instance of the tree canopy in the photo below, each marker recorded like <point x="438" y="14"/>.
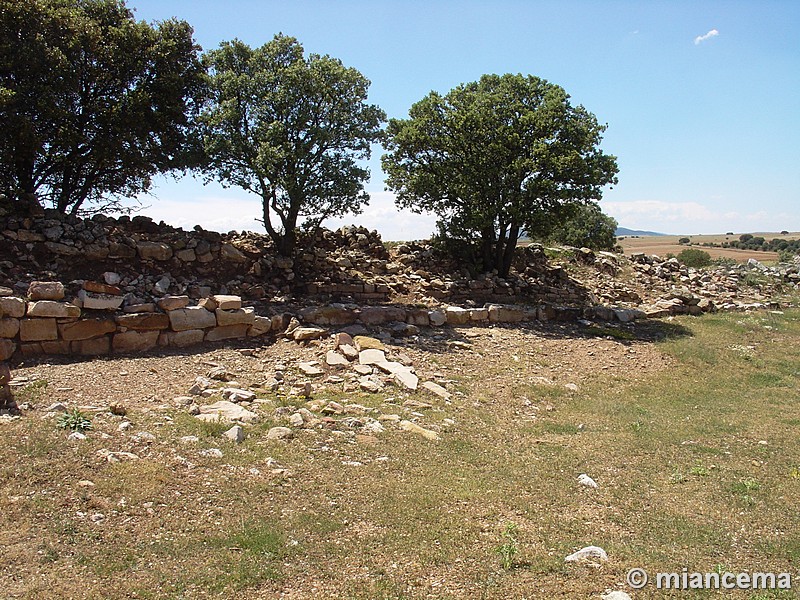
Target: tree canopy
<point x="494" y="157"/>
<point x="92" y="102"/>
<point x="291" y="130"/>
<point x="586" y="226"/>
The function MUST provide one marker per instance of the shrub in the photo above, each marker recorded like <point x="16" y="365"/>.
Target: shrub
<point x="684" y="240"/>
<point x="693" y="257"/>
<point x="74" y="420"/>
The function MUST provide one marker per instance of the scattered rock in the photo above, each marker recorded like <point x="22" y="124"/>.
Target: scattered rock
<point x="235" y="434"/>
<point x="280" y="433"/>
<point x="225" y="410"/>
<point x="587" y="481"/>
<point x="590" y="554"/>
<point x="428" y="434"/>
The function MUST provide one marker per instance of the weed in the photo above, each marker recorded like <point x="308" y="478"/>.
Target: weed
<point x="74" y="420"/>
<point x="508" y="550"/>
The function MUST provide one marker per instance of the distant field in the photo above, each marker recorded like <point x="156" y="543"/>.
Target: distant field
<point x="664" y="244"/>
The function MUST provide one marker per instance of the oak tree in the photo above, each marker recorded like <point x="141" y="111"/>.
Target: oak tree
<point x="291" y="129"/>
<point x="494" y="157"/>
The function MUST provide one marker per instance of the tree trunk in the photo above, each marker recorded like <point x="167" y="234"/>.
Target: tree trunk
<point x="508" y="251"/>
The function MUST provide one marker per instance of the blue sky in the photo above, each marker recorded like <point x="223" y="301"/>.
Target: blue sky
<point x="702" y="99"/>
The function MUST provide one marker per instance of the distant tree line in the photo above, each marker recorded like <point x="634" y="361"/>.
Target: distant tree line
<point x="94" y="104"/>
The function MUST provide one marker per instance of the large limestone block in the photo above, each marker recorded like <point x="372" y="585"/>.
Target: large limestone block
<point x="182" y="339"/>
<point x="225" y="302"/>
<point x="9" y="328"/>
<point x="239" y="316"/>
<point x="93" y="347"/>
<point x="36" y="330"/>
<point x="154" y="251"/>
<point x="46" y="290"/>
<point x="7" y="348"/>
<point x="50" y="308"/>
<point x="11" y="306"/>
<point x="191" y="317"/>
<point x="135" y="341"/>
<point x="227" y="332"/>
<point x="457" y="315"/>
<point x="144" y="321"/>
<point x="86" y="329"/>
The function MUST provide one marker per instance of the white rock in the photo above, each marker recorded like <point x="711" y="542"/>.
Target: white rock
<point x="111" y="278"/>
<point x="211" y="452"/>
<point x="370" y="356"/>
<point x="616" y="596"/>
<point x="57" y="407"/>
<point x="235" y="434"/>
<point x="584" y="479"/>
<point x="588" y="554"/>
<point x="334" y="359"/>
<point x="571" y="387"/>
<point x="76" y="435"/>
<point x="311" y="369"/>
<point x="225" y="410"/>
<point x="407" y="379"/>
<point x="436" y="389"/>
<point x="279" y="433"/>
<point x="238" y="395"/>
<point x="428" y="434"/>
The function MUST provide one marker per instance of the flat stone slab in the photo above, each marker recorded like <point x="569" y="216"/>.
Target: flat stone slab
<point x="371" y="356"/>
<point x="334" y="359"/>
<point x="226" y="411"/>
<point x="311" y="369"/>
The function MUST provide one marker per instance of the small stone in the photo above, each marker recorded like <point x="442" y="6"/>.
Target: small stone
<point x="436" y="389"/>
<point x="371" y="356"/>
<point x="587" y="481"/>
<point x="76" y="435"/>
<point x="591" y="554"/>
<point x="57" y="407"/>
<point x="220" y="374"/>
<point x="168" y="303"/>
<point x="46" y="290"/>
<point x="334" y="359"/>
<point x="125" y="426"/>
<point x="235" y="434"/>
<point x="211" y="453"/>
<point x="311" y="369"/>
<point x="349" y="351"/>
<point x="189" y="439"/>
<point x="280" y="433"/>
<point x="364" y="342"/>
<point x="368" y="384"/>
<point x="362" y="369"/>
<point x="571" y="387"/>
<point x="428" y="434"/>
<point x="237" y="395"/>
<point x="296" y="420"/>
<point x="303" y="334"/>
<point x="609" y="595"/>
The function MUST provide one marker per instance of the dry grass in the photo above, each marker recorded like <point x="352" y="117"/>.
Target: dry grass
<point x="692" y="439"/>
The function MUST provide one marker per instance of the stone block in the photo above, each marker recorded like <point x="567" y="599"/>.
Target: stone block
<point x="56" y="347"/>
<point x="375" y="315"/>
<point x="437" y="317"/>
<point x="135" y="341"/>
<point x="11" y="306"/>
<point x="36" y="330"/>
<point x="46" y="290"/>
<point x="101" y="288"/>
<point x="240" y="316"/>
<point x="93" y="347"/>
<point x="9" y="328"/>
<point x="143" y="321"/>
<point x="418" y="317"/>
<point x="456" y="315"/>
<point x="93" y="301"/>
<point x="260" y="326"/>
<point x="191" y="317"/>
<point x="169" y="303"/>
<point x="86" y="329"/>
<point x="52" y="309"/>
<point x="505" y="314"/>
<point x="154" y="251"/>
<point x="479" y="314"/>
<point x="7" y="348"/>
<point x="182" y="339"/>
<point x="227" y="302"/>
<point x="227" y="332"/>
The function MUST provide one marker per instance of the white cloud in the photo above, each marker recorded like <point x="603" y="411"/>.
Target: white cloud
<point x="707" y="36"/>
<point x="693" y="217"/>
<point x="228" y="210"/>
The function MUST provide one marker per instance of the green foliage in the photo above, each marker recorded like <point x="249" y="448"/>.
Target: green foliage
<point x="694" y="257"/>
<point x="684" y="240"/>
<point x="495" y="157"/>
<point x="289" y="129"/>
<point x="509" y="549"/>
<point x="74" y="420"/>
<point x="93" y="102"/>
<point x="586" y="226"/>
